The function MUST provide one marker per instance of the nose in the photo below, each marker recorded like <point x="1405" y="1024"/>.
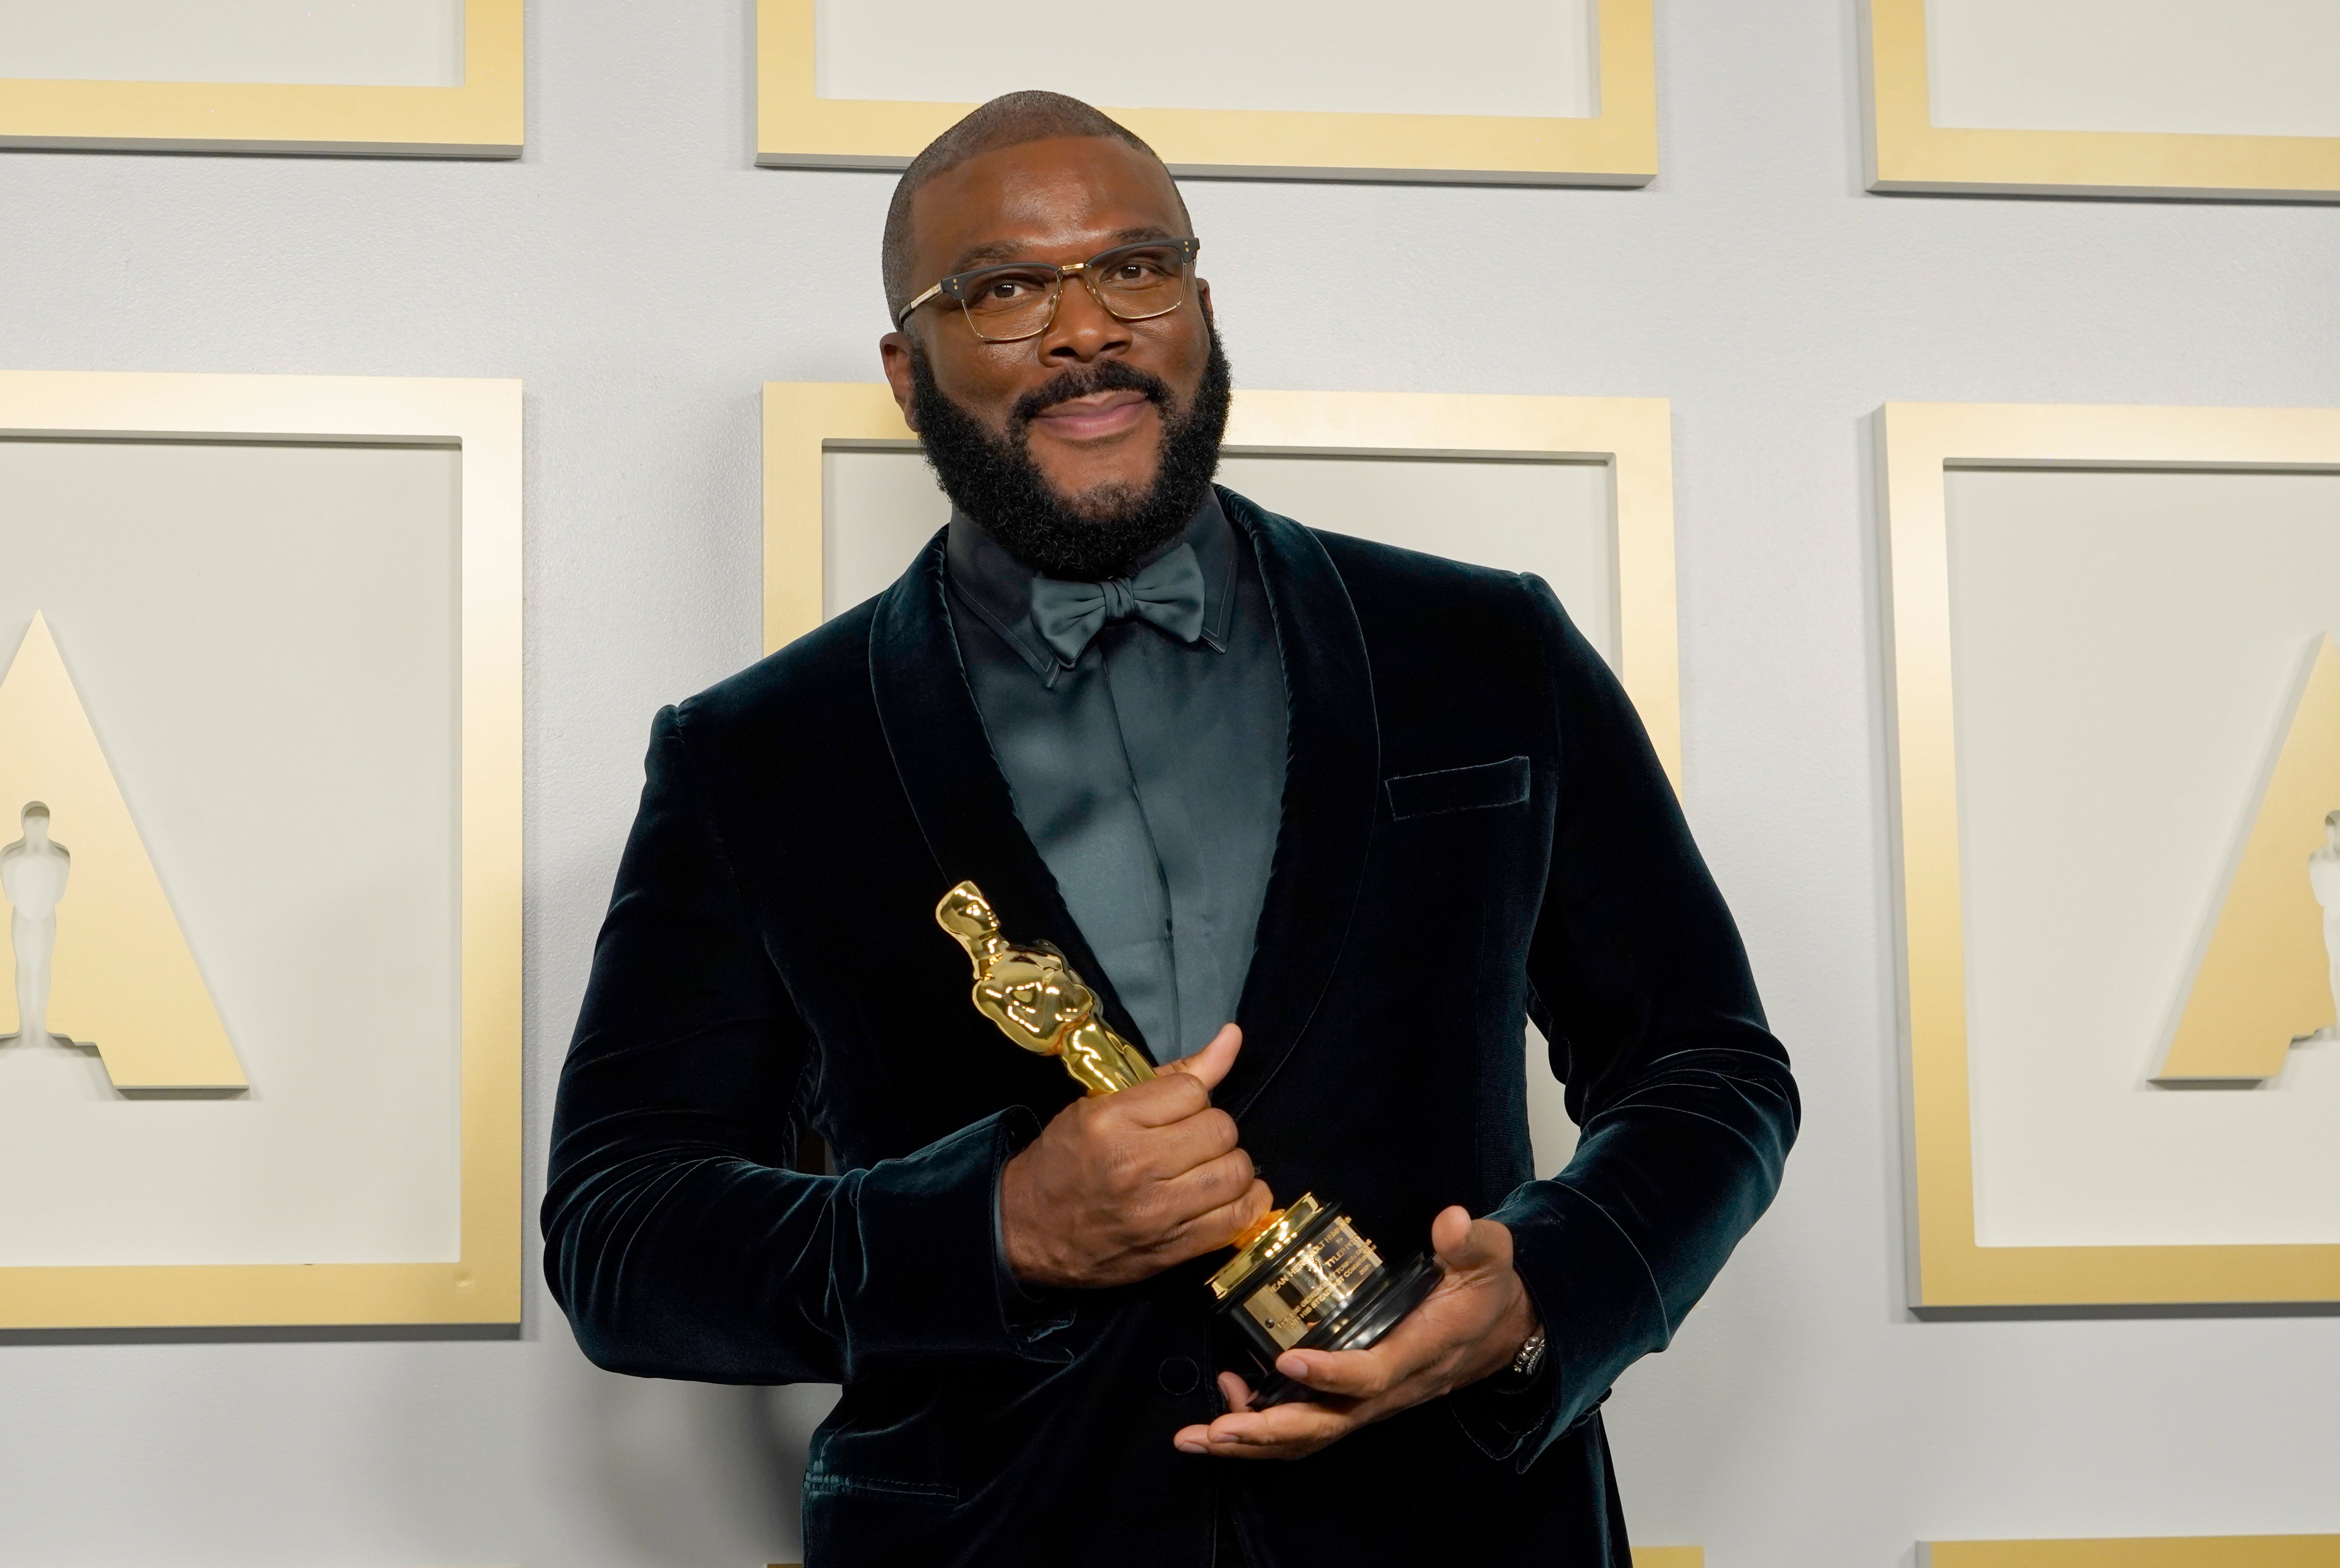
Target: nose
<point x="1083" y="330"/>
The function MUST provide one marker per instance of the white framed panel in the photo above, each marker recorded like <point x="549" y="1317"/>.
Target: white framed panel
<point x="342" y="42"/>
<point x="2127" y="649"/>
<point x="2238" y="68"/>
<point x="2105" y="97"/>
<point x="202" y="593"/>
<point x="421" y="78"/>
<point x="1532" y="92"/>
<point x="1523" y="59"/>
<point x="289" y="609"/>
<point x="2106" y="626"/>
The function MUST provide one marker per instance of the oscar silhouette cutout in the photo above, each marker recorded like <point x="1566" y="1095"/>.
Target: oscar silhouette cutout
<point x="33" y="873"/>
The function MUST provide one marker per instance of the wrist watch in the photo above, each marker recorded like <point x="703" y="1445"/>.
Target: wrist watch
<point x="1529" y="1358"/>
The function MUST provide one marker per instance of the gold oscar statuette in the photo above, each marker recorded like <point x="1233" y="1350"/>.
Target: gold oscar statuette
<point x="1302" y="1277"/>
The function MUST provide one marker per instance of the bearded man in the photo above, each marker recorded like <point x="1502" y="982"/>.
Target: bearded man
<point x="1322" y="823"/>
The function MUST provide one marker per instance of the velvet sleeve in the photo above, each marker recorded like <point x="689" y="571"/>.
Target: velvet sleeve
<point x="1683" y="1099"/>
<point x="675" y="1238"/>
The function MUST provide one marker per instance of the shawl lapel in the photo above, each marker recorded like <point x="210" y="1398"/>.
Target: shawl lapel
<point x="927" y="709"/>
<point x="1331" y="785"/>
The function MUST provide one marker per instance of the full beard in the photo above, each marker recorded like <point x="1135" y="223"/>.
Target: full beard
<point x="1104" y="531"/>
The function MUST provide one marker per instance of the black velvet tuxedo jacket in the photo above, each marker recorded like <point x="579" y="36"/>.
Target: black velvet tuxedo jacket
<point x="1475" y="833"/>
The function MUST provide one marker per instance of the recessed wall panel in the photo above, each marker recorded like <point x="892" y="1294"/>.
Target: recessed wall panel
<point x="396" y="78"/>
<point x="264" y="679"/>
<point x="2105" y="97"/>
<point x="2126" y="655"/>
<point x="2116" y="705"/>
<point x="1507" y="57"/>
<point x="1527" y="92"/>
<point x="2238" y="68"/>
<point x="265" y="640"/>
<point x="339" y="43"/>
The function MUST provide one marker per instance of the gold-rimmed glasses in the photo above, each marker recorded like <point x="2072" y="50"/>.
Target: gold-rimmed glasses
<point x="1018" y="300"/>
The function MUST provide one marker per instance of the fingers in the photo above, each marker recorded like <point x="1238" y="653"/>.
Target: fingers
<point x="1196" y="1204"/>
<point x="1212" y="1062"/>
<point x="1282" y="1431"/>
<point x="1172" y="1098"/>
<point x="1214" y="1228"/>
<point x="1235" y="1391"/>
<point x="1466" y="1245"/>
<point x="1359" y="1373"/>
<point x="1190" y="1144"/>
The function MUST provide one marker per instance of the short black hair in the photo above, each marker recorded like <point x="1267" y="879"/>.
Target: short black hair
<point x="1007" y="121"/>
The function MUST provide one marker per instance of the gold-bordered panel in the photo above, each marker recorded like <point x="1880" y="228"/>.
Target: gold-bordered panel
<point x="795" y="127"/>
<point x="1632" y="435"/>
<point x="1922" y="443"/>
<point x="480" y="119"/>
<point x="2172" y="1552"/>
<point x="1908" y="151"/>
<point x="483" y="419"/>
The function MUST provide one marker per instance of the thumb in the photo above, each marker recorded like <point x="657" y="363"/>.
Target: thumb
<point x="1213" y="1061"/>
<point x="1466" y="1245"/>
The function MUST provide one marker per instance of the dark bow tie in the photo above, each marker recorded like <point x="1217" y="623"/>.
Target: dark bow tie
<point x="1169" y="593"/>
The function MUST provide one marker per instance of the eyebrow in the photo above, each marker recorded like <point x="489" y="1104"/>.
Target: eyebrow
<point x="1009" y="251"/>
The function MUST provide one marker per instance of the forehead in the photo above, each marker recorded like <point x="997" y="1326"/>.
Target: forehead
<point x="1041" y="197"/>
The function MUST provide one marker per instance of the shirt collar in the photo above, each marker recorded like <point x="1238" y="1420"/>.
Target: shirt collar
<point x="998" y="587"/>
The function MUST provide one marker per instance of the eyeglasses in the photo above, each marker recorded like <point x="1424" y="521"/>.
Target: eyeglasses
<point x="1004" y="304"/>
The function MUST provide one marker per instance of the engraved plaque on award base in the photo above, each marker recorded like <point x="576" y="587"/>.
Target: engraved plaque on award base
<point x="1303" y="1278"/>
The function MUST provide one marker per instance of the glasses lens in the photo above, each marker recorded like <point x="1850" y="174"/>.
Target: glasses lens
<point x="1008" y="302"/>
<point x="1140" y="281"/>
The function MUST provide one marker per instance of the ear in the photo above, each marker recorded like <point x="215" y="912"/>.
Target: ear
<point x="1203" y="292"/>
<point x="893" y="353"/>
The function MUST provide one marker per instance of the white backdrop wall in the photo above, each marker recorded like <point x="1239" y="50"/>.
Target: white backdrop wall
<point x="644" y="280"/>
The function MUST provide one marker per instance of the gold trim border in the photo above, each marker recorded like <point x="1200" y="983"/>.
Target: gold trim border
<point x="1921" y="441"/>
<point x="482" y="417"/>
<point x="483" y="119"/>
<point x="1908" y="151"/>
<point x="2170" y="1552"/>
<point x="795" y="128"/>
<point x="1632" y="435"/>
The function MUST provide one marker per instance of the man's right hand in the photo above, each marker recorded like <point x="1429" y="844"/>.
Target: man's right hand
<point x="1121" y="1187"/>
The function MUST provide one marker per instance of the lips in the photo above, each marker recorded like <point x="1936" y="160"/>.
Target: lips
<point x="1096" y="414"/>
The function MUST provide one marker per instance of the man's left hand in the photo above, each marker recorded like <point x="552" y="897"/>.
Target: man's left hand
<point x="1470" y="1325"/>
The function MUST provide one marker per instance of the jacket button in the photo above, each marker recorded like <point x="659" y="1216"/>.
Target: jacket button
<point x="1179" y="1375"/>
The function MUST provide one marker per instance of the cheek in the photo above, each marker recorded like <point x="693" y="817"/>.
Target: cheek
<point x="985" y="382"/>
<point x="1181" y="362"/>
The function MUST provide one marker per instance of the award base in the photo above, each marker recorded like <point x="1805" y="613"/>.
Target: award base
<point x="1308" y="1281"/>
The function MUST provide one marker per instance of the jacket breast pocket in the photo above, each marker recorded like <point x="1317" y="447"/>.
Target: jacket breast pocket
<point x="1473" y="788"/>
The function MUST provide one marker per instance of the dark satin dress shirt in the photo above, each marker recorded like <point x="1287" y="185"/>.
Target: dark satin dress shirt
<point x="1149" y="774"/>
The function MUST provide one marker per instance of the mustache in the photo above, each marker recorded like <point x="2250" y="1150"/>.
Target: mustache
<point x="1105" y="375"/>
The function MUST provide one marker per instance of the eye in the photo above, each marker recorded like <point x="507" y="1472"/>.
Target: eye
<point x="1009" y="289"/>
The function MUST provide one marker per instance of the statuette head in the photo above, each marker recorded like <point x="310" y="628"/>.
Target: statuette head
<point x="1031" y="993"/>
